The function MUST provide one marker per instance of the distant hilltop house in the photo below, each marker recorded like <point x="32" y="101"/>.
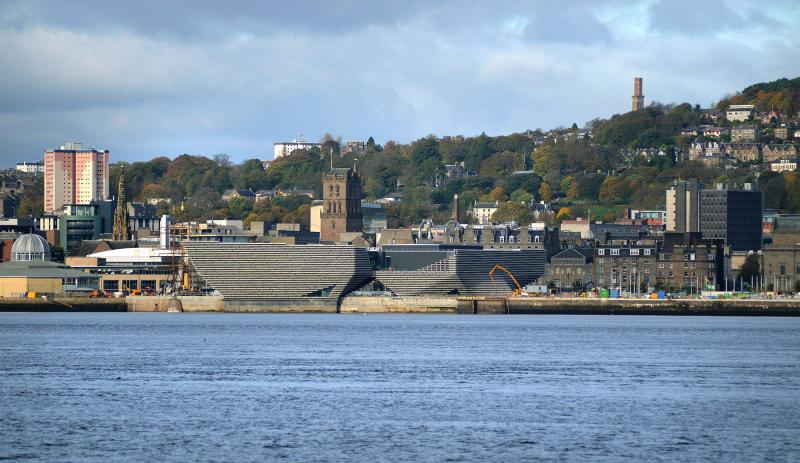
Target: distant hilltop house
<point x="714" y="132"/>
<point x="712" y="114"/>
<point x="246" y="194"/>
<point x="353" y="146"/>
<point x="783" y="132"/>
<point x="743" y="152"/>
<point x="774" y="153"/>
<point x="739" y="112"/>
<point x="30" y="167"/>
<point x="285" y="148"/>
<point x="784" y="165"/>
<point x="744" y="133"/>
<point x="482" y="211"/>
<point x="263" y="195"/>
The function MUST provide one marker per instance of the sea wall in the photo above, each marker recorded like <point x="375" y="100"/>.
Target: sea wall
<point x="284" y="306"/>
<point x="749" y="307"/>
<point x="175" y="303"/>
<point x="408" y="304"/>
<point x="65" y="304"/>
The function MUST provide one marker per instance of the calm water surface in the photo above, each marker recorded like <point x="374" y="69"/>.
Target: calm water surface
<point x="211" y="387"/>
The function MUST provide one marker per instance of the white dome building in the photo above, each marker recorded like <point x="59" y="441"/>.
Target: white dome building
<point x="30" y="247"/>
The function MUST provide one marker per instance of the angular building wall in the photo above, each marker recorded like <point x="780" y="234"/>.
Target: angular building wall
<point x="463" y="272"/>
<point x="265" y="274"/>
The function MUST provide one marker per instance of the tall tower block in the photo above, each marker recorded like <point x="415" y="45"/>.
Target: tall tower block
<point x="637" y="100"/>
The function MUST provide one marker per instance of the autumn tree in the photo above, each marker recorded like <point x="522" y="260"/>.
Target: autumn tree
<point x="545" y="192"/>
<point x="564" y="213"/>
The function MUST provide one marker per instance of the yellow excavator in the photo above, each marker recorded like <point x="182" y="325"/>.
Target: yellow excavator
<point x="517" y="291"/>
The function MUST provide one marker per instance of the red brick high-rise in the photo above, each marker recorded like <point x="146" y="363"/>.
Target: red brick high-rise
<point x="74" y="175"/>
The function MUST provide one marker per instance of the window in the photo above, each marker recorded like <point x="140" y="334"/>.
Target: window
<point x="536" y="239"/>
<point x="601" y="252"/>
<point x="783" y="270"/>
<point x="110" y="285"/>
<point x="646" y="252"/>
<point x="615" y="252"/>
<point x="634" y="252"/>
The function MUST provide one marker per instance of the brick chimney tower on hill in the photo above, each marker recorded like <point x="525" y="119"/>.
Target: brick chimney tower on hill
<point x="637" y="100"/>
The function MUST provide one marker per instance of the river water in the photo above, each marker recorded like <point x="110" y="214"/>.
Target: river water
<point x="255" y="387"/>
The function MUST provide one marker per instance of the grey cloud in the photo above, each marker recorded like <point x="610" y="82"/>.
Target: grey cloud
<point x="162" y="78"/>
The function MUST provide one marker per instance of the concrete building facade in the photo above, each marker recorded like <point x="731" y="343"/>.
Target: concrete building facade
<point x="683" y="207"/>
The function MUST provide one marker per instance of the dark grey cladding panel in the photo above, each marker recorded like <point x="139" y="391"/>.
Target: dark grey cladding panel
<point x="255" y="273"/>
<point x="469" y="274"/>
<point x="401" y="260"/>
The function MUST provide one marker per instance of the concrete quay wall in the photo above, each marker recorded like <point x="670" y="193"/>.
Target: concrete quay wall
<point x="65" y="304"/>
<point x="388" y="304"/>
<point x="175" y="303"/>
<point x="734" y="307"/>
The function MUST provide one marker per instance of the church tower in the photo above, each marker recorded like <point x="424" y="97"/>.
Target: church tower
<point x="341" y="203"/>
<point x="120" y="231"/>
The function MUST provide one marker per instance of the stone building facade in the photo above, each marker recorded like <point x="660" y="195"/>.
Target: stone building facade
<point x="341" y="204"/>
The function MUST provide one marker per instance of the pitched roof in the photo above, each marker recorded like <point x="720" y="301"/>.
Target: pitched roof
<point x="92" y="246"/>
<point x="573" y="253"/>
<point x="40" y="269"/>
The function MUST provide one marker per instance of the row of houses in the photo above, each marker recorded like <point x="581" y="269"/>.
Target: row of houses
<point x="715" y="153"/>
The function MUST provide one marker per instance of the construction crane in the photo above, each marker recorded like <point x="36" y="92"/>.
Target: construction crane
<point x="517" y="291"/>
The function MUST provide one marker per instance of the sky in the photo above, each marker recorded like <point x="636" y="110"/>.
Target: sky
<point x="161" y="78"/>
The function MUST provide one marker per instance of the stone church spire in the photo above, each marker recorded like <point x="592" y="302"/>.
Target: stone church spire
<point x="121" y="212"/>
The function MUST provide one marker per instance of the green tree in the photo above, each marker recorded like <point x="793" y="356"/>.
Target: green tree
<point x="547" y="163"/>
<point x="521" y="196"/>
<point x="509" y="211"/>
<point x="750" y="268"/>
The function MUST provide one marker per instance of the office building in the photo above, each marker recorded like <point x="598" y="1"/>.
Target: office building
<point x="30" y="167"/>
<point x="733" y="216"/>
<point x="285" y="148"/>
<point x="74" y="175"/>
<point x="683" y="206"/>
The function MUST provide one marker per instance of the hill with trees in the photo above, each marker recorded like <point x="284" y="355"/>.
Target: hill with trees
<point x="627" y="160"/>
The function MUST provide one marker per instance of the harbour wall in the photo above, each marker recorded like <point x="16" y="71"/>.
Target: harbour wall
<point x="419" y="304"/>
<point x="65" y="304"/>
<point x="388" y="304"/>
<point x="729" y="307"/>
<point x="175" y="303"/>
